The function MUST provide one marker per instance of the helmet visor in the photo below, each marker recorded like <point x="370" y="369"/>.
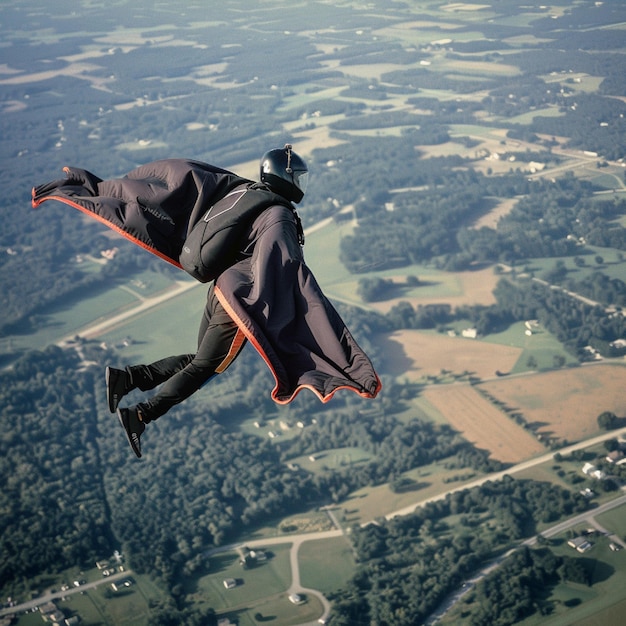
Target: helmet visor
<point x="301" y="179"/>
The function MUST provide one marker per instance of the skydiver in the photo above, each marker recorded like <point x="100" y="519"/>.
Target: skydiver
<point x="269" y="296"/>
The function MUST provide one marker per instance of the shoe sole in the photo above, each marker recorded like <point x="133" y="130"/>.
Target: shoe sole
<point x="112" y="398"/>
<point x="131" y="440"/>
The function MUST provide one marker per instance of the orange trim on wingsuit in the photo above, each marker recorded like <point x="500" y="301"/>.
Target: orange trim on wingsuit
<point x="252" y="339"/>
<point x="235" y="347"/>
<point x="106" y="222"/>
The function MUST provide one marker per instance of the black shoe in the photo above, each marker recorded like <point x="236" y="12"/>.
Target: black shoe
<point x="133" y="427"/>
<point x="118" y="385"/>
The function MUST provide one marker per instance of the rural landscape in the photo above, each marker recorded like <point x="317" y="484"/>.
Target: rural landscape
<point x="466" y="215"/>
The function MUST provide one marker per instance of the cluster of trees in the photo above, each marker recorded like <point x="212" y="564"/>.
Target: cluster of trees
<point x="55" y="512"/>
<point x="517" y="589"/>
<point x="600" y="288"/>
<point x="573" y="322"/>
<point x="432" y="223"/>
<point x="408" y="565"/>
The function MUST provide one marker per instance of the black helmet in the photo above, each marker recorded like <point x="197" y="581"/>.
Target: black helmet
<point x="285" y="173"/>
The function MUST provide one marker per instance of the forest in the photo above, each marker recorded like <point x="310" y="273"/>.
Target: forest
<point x="408" y="565"/>
<point x="60" y="447"/>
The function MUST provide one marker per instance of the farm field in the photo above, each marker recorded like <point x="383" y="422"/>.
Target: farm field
<point x="483" y="424"/>
<point x="414" y="355"/>
<point x="456" y="289"/>
<point x="564" y="404"/>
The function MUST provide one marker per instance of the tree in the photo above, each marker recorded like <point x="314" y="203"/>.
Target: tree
<point x="607" y="420"/>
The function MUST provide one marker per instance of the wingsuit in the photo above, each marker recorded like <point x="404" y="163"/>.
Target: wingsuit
<point x="245" y="238"/>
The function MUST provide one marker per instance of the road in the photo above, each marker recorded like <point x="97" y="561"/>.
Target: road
<point x="586" y="517"/>
<point x="512" y="470"/>
<point x="296" y="541"/>
<point x="58" y="595"/>
<point x="99" y="327"/>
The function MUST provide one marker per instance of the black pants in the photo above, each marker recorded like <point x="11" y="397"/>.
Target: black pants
<point x="219" y="343"/>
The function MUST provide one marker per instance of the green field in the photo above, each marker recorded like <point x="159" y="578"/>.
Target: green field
<point x="614" y="521"/>
<point x="542" y="346"/>
<point x="601" y="604"/>
<point x="613" y="264"/>
<point x="260" y="589"/>
<point x="169" y="328"/>
<point x="102" y="605"/>
<point x="326" y="564"/>
<point x="332" y="459"/>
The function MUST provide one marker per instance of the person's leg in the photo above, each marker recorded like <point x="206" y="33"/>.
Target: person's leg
<point x="143" y="377"/>
<point x="147" y="377"/>
<point x="220" y="341"/>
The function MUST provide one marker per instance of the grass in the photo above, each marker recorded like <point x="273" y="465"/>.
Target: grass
<point x="614" y="520"/>
<point x="369" y="503"/>
<point x="327" y="564"/>
<point x="169" y="328"/>
<point x="331" y="459"/>
<point x="542" y="346"/>
<point x="80" y="310"/>
<point x="322" y="252"/>
<point x="129" y="607"/>
<point x="313" y="520"/>
<point x="261" y="589"/>
<point x="527" y="118"/>
<point x="76" y="312"/>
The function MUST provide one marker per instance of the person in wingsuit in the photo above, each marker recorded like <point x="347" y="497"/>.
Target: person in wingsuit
<point x="246" y="239"/>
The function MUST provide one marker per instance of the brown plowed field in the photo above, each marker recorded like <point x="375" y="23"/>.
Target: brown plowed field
<point x="483" y="424"/>
<point x="412" y="355"/>
<point x="565" y="403"/>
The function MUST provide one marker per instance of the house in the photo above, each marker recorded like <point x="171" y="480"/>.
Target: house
<point x="252" y="557"/>
<point x="258" y="555"/>
<point x="296" y="598"/>
<point x="50" y="613"/>
<point x="580" y="544"/>
<point x="56" y="618"/>
<point x="230" y="583"/>
<point x="48" y="607"/>
<point x="615" y="456"/>
<point x="124" y="583"/>
<point x="593" y="472"/>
